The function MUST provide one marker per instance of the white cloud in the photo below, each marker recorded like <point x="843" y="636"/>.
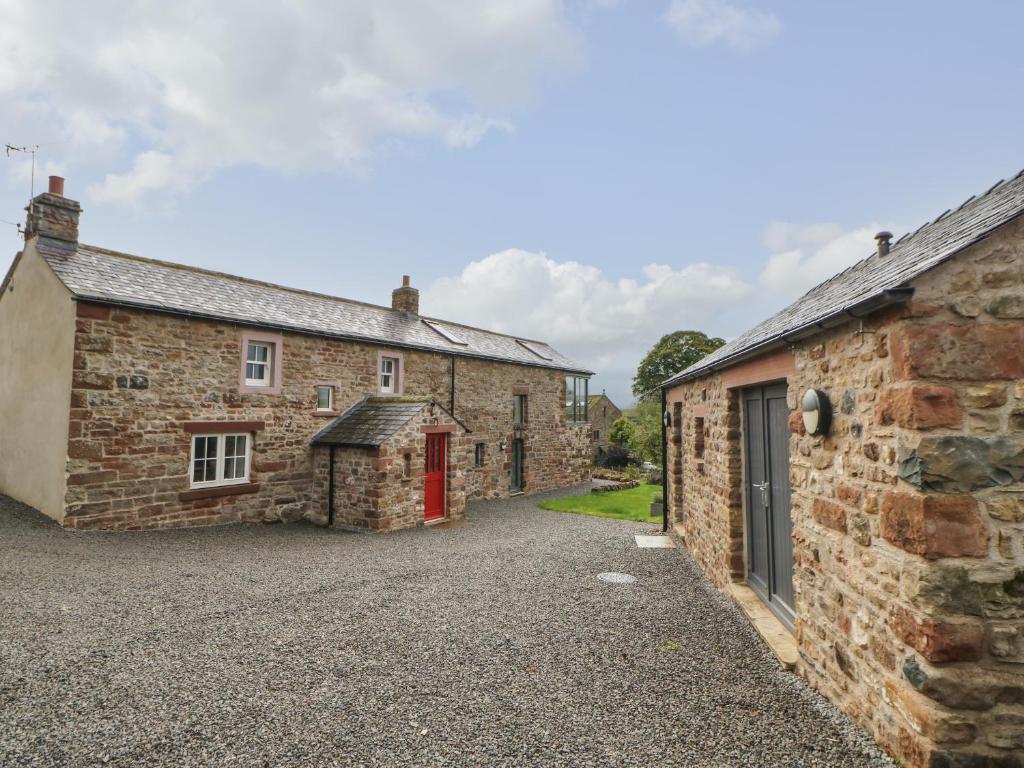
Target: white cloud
<point x="164" y="94"/>
<point x="807" y="254"/>
<point x="602" y="323"/>
<point x="609" y="325"/>
<point x="707" y="22"/>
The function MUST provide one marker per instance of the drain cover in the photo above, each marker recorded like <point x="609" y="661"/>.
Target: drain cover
<point x="616" y="578"/>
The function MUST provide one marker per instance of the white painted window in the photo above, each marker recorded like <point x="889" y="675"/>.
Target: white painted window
<point x="259" y="360"/>
<point x="220" y="460"/>
<point x="389" y="375"/>
<point x="324" y="397"/>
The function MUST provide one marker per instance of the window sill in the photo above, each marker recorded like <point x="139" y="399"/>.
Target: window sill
<point x="221" y="490"/>
<point x="325" y="414"/>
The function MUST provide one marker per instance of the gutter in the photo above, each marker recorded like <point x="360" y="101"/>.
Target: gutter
<point x="858" y="311"/>
<point x="317" y="334"/>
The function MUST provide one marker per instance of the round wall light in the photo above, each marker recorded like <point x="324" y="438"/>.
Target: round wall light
<point x="817" y="412"/>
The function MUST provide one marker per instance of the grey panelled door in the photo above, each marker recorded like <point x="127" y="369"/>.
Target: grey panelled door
<point x="769" y="528"/>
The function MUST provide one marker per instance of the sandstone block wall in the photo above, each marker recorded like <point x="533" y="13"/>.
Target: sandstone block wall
<point x="908" y="517"/>
<point x="603" y="413"/>
<point x="140" y="376"/>
<point x="382" y="489"/>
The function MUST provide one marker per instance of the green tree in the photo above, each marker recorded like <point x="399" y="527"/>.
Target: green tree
<point x="673" y="353"/>
<point x="621" y="432"/>
<point x="645" y="440"/>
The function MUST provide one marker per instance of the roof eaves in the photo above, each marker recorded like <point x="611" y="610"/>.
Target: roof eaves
<point x="153" y="307"/>
<point x="324" y="431"/>
<point x="862" y="309"/>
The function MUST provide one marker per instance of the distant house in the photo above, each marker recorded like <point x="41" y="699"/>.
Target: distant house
<point x="143" y="394"/>
<point x="603" y="413"/>
<point x="857" y="462"/>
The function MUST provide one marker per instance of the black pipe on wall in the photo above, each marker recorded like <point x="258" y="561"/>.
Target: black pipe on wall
<point x="664" y="463"/>
<point x="330" y="490"/>
<point x="451" y="409"/>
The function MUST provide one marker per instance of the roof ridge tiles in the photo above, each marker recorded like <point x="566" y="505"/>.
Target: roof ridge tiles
<point x="236" y="278"/>
<point x="94" y="273"/>
<point x="290" y="289"/>
<point x="874" y="282"/>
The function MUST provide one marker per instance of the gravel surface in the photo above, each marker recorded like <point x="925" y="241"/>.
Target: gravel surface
<point x="490" y="643"/>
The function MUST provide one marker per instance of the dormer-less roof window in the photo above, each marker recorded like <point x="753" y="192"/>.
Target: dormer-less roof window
<point x="537" y="349"/>
<point x="445" y="333"/>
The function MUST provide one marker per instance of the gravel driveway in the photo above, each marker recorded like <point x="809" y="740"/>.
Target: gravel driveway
<point x="491" y="643"/>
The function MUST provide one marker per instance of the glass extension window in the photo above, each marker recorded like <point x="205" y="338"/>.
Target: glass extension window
<point x="220" y="460"/>
<point x="258" y="362"/>
<point x="324" y="397"/>
<point x="576" y="399"/>
<point x="389" y="375"/>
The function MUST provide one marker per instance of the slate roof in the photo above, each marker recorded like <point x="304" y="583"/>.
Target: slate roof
<point x="876" y="281"/>
<point x="110" y="277"/>
<point x="371" y="422"/>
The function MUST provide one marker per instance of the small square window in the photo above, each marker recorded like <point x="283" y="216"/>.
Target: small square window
<point x="324" y="397"/>
<point x="479" y="455"/>
<point x="389" y="375"/>
<point x="258" y="363"/>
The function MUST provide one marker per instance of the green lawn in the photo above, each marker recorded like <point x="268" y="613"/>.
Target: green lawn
<point x="630" y="504"/>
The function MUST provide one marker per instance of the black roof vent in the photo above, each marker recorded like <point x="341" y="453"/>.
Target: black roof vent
<point x="883" y="238"/>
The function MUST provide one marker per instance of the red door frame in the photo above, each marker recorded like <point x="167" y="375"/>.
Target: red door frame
<point x="435" y="482"/>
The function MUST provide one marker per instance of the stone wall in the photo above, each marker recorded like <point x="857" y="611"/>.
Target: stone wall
<point x="603" y="413"/>
<point x="381" y="489"/>
<point x="908" y="517"/>
<point x="140" y="376"/>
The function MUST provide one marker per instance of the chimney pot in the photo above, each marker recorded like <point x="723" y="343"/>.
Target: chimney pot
<point x="405" y="281"/>
<point x="52" y="215"/>
<point x="882" y="239"/>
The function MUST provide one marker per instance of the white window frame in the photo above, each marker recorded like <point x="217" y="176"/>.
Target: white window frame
<point x="268" y="364"/>
<point x="330" y="397"/>
<point x="392" y="387"/>
<point x="219" y="480"/>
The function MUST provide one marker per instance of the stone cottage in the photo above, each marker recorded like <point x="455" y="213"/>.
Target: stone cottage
<point x="603" y="413"/>
<point x="143" y="394"/>
<point x="856" y="464"/>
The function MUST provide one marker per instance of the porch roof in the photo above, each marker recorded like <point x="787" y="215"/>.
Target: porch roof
<point x="373" y="421"/>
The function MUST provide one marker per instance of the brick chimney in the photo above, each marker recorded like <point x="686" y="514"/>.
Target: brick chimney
<point x="53" y="215"/>
<point x="406" y="298"/>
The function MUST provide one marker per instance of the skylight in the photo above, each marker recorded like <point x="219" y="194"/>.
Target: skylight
<point x="537" y="349"/>
<point x="442" y="331"/>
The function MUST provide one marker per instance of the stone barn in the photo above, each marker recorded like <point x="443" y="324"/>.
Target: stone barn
<point x="853" y="468"/>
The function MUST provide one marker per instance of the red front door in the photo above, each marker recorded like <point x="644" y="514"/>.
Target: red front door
<point x="433" y="483"/>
